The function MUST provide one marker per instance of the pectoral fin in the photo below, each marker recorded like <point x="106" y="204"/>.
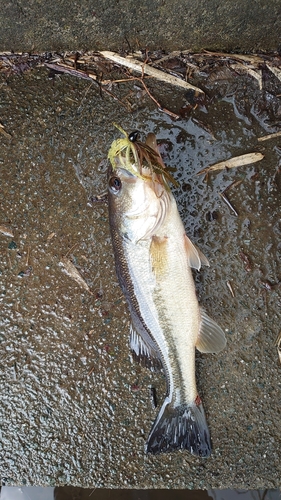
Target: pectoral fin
<point x="211" y="338"/>
<point x="142" y="352"/>
<point x="195" y="257"/>
<point x="158" y="255"/>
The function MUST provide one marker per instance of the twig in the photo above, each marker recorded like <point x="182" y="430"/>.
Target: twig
<point x="229" y="286"/>
<point x="64" y="68"/>
<point x="140" y="67"/>
<point x="85" y="94"/>
<point x="278" y="345"/>
<point x="127" y="106"/>
<point x="173" y="115"/>
<point x="91" y="370"/>
<point x="226" y="200"/>
<point x="232" y="185"/>
<point x="270" y="136"/>
<point x="236" y="161"/>
<point x="71" y="248"/>
<point x="27" y="258"/>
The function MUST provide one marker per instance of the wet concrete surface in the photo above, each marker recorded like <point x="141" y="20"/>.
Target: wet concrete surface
<point x="74" y="409"/>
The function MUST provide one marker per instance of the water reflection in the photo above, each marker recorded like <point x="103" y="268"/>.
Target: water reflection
<point x="72" y="493"/>
<point x="244" y="494"/>
<point x="27" y="493"/>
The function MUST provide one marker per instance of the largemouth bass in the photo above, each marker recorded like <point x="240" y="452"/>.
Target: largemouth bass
<point x="153" y="258"/>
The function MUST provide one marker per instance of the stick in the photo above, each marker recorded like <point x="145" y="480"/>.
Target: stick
<point x="140" y="67"/>
<point x="230" y="288"/>
<point x="173" y="115"/>
<point x="226" y="200"/>
<point x="64" y="68"/>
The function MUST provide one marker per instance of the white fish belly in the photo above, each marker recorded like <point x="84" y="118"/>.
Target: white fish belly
<point x="169" y="307"/>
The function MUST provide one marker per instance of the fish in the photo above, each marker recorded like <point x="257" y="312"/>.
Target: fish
<point x="153" y="260"/>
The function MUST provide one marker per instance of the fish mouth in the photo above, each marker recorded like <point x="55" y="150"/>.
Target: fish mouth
<point x="140" y="159"/>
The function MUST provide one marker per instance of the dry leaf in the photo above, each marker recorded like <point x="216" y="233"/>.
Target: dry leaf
<point x="3" y="131"/>
<point x="252" y="59"/>
<point x="270" y="136"/>
<point x="73" y="273"/>
<point x="257" y="74"/>
<point x="6" y="231"/>
<point x="275" y="71"/>
<point x="236" y="161"/>
<point x="140" y="67"/>
<point x="50" y="236"/>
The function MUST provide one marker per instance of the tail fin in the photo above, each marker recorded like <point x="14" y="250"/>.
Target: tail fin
<point x="182" y="427"/>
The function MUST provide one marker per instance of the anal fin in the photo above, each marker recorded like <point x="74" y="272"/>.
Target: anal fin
<point x="142" y="352"/>
<point x="211" y="338"/>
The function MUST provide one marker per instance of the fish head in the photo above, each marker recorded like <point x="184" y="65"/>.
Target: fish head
<point x="138" y="191"/>
<point x="135" y="207"/>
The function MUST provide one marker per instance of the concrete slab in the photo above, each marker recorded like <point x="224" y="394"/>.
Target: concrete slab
<point x="114" y="25"/>
<point x="74" y="409"/>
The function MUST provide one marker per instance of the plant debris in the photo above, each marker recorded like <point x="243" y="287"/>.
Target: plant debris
<point x="71" y="270"/>
<point x="236" y="161"/>
<point x="197" y="73"/>
<point x="229" y="286"/>
<point x="246" y="261"/>
<point x="144" y="68"/>
<point x="98" y="198"/>
<point x="276" y="71"/>
<point x="269" y="136"/>
<point x="226" y="200"/>
<point x="6" y="231"/>
<point x="3" y="131"/>
<point x="278" y="345"/>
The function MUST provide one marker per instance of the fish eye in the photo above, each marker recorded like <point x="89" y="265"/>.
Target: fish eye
<point x="134" y="135"/>
<point x="115" y="184"/>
